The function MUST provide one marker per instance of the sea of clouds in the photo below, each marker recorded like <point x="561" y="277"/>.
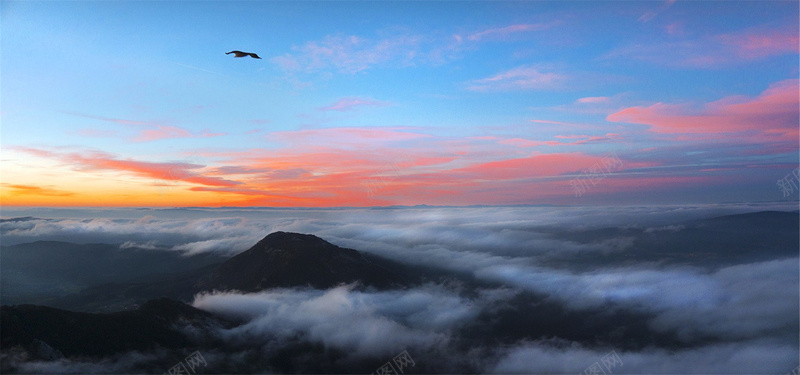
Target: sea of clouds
<point x="739" y="318"/>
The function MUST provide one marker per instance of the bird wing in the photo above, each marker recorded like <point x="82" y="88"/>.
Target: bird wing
<point x="242" y="54"/>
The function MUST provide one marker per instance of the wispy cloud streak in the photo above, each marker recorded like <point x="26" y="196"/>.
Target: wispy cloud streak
<point x="146" y="131"/>
<point x="715" y="51"/>
<point x="352" y="103"/>
<point x="520" y="78"/>
<point x="504" y="32"/>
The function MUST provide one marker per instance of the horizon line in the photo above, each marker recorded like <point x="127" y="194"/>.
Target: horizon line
<point x="797" y="202"/>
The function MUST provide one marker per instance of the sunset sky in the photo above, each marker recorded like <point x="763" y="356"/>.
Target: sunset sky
<point x="396" y="103"/>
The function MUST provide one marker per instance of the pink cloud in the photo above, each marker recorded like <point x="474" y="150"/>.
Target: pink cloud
<point x="243" y="191"/>
<point x="100" y="161"/>
<point x="554" y="122"/>
<point x="146" y="131"/>
<point x="675" y="28"/>
<point x="209" y="134"/>
<point x="522" y="78"/>
<point x="520" y="142"/>
<point x="161" y="132"/>
<point x="316" y="176"/>
<point x="758" y="44"/>
<point x="512" y="29"/>
<point x="594" y="99"/>
<point x="773" y="114"/>
<point x="600" y="138"/>
<point x="581" y="139"/>
<point x="237" y="169"/>
<point x="350" y="103"/>
<point x="716" y="51"/>
<point x="561" y="124"/>
<point x="411" y="177"/>
<point x="337" y="177"/>
<point x="541" y="165"/>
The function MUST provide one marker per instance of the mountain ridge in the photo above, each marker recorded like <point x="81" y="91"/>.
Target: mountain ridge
<point x="287" y="259"/>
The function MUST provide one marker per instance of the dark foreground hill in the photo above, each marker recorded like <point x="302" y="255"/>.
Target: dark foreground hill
<point x="50" y="333"/>
<point x="284" y="259"/>
<point x="42" y="272"/>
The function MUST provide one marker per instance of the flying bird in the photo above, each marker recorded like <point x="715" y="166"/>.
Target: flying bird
<point x="242" y="54"/>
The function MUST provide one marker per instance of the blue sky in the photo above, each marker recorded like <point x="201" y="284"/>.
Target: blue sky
<point x="375" y="103"/>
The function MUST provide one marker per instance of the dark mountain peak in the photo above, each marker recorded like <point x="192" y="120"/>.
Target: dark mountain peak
<point x="292" y="236"/>
<point x="160" y="304"/>
<point x="294" y="242"/>
<point x="285" y="259"/>
<point x="171" y="310"/>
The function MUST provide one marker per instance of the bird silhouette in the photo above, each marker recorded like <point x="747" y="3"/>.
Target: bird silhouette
<point x="242" y="54"/>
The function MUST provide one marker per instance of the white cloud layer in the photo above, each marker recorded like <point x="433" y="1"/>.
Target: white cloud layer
<point x="363" y="323"/>
<point x="750" y="357"/>
<point x="734" y="318"/>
